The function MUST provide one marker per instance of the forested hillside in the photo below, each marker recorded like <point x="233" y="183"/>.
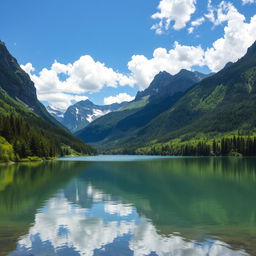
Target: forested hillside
<point x="28" y="130"/>
<point x="163" y="92"/>
<point x="217" y="108"/>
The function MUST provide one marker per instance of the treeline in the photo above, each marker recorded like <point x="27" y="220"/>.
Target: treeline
<point x="245" y="146"/>
<point x="6" y="151"/>
<point x="27" y="140"/>
<point x="236" y="145"/>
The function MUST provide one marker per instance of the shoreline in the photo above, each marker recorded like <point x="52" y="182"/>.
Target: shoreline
<point x="56" y="158"/>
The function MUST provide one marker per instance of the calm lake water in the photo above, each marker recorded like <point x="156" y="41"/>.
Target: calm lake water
<point x="129" y="205"/>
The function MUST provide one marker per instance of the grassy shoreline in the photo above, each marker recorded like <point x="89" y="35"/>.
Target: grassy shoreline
<point x="31" y="159"/>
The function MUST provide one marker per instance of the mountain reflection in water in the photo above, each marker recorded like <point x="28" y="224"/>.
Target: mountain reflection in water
<point x="178" y="206"/>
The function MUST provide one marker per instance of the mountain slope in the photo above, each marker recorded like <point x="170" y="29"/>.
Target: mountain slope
<point x="16" y="82"/>
<point x="164" y="91"/>
<point x="58" y="114"/>
<point x="220" y="105"/>
<point x="84" y="112"/>
<point x="21" y="124"/>
<point x="30" y="135"/>
<point x="165" y="84"/>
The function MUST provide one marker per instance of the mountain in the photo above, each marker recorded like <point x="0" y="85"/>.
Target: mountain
<point x="219" y="106"/>
<point x="167" y="84"/>
<point x="58" y="114"/>
<point x="26" y="128"/>
<point x="163" y="92"/>
<point x="17" y="84"/>
<point x="79" y="115"/>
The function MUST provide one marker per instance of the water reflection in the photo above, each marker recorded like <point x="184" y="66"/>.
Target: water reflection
<point x="63" y="228"/>
<point x="167" y="207"/>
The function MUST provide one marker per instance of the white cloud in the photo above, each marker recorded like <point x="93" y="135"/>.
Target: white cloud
<point x="63" y="83"/>
<point x="91" y="76"/>
<point x="177" y="11"/>
<point x="248" y="1"/>
<point x="28" y="68"/>
<point x="191" y="30"/>
<point x="121" y="97"/>
<point x="180" y="57"/>
<point x="238" y="36"/>
<point x="84" y="75"/>
<point x="218" y="15"/>
<point x="196" y="23"/>
<point x="61" y="100"/>
<point x="211" y="14"/>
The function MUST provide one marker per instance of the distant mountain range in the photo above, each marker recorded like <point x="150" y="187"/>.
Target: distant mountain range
<point x="187" y="113"/>
<point x="26" y="127"/>
<point x="187" y="107"/>
<point x="79" y="115"/>
<point x="163" y="92"/>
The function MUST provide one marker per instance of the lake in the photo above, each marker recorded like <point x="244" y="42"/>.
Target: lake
<point x="129" y="205"/>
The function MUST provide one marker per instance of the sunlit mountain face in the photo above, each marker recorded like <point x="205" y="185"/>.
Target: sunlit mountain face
<point x="155" y="207"/>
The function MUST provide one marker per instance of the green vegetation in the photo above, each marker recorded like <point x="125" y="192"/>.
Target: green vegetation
<point x="28" y="130"/>
<point x="226" y="146"/>
<point x="104" y="126"/>
<point x="113" y="127"/>
<point x="218" y="107"/>
<point x="212" y="101"/>
<point x="136" y="104"/>
<point x="30" y="135"/>
<point x="17" y="84"/>
<point x="6" y="151"/>
<point x="26" y="141"/>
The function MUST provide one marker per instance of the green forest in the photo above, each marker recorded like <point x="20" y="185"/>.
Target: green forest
<point x="214" y="117"/>
<point x="27" y="131"/>
<point x="226" y="146"/>
<point x="19" y="140"/>
<point x="218" y="107"/>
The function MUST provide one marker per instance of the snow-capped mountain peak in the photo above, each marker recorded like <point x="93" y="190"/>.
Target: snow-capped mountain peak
<point x="82" y="113"/>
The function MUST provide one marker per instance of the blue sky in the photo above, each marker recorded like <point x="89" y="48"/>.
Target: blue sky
<point x="114" y="33"/>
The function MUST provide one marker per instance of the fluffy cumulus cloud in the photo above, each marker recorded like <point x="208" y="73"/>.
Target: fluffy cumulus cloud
<point x="121" y="97"/>
<point x="180" y="57"/>
<point x="238" y="35"/>
<point x="64" y="83"/>
<point x="177" y="11"/>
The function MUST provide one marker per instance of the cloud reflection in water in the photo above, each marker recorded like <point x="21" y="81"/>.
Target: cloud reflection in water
<point x="63" y="227"/>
